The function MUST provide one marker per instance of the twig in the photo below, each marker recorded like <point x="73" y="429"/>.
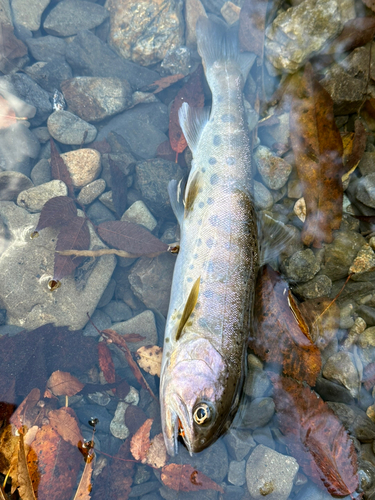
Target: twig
<point x="333" y="300"/>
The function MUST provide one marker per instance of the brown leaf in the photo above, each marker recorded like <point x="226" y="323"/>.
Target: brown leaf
<point x="157" y="452"/>
<point x="192" y="93"/>
<point x="117" y="339"/>
<point x="355" y="147"/>
<point x="323" y="317"/>
<point x="370" y="4"/>
<point x="102" y="146"/>
<point x="119" y="187"/>
<point x="10" y="48"/>
<point x="252" y="26"/>
<point x="162" y="84"/>
<point x="133" y="337"/>
<point x="64" y="384"/>
<point x="84" y="487"/>
<point x="65" y="423"/>
<point x="132" y="238"/>
<point x="281" y="334"/>
<point x="8" y="447"/>
<point x="73" y="235"/>
<point x="26" y="413"/>
<point x="369" y="376"/>
<point x="315" y="437"/>
<point x="59" y="170"/>
<point x="186" y="478"/>
<point x="106" y="363"/>
<point x="59" y="464"/>
<point x="165" y="151"/>
<point x="135" y="417"/>
<point x="57" y="212"/>
<point x="356" y="33"/>
<point x="140" y="442"/>
<point x="317" y="148"/>
<point x="25" y="487"/>
<point x="149" y="358"/>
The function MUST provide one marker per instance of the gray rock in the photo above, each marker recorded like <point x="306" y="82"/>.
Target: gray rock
<point x="11" y="184"/>
<point x="47" y="48"/>
<point x="91" y="191"/>
<point x="151" y="279"/>
<point x="118" y="427"/>
<point x="28" y="13"/>
<point x="339" y="255"/>
<point x="86" y="412"/>
<point x="71" y="16"/>
<point x="301" y="266"/>
<point x="33" y="94"/>
<point x="236" y="472"/>
<point x="138" y="213"/>
<point x="153" y="177"/>
<point x="33" y="199"/>
<point x="49" y="75"/>
<point x="367" y="314"/>
<point x="263" y="435"/>
<point x="319" y="286"/>
<point x="313" y="492"/>
<point x="17" y="147"/>
<point x="142" y="489"/>
<point x="118" y="311"/>
<point x="98" y="213"/>
<point x="96" y="98"/>
<point x="70" y="129"/>
<point x="21" y="107"/>
<point x="143" y="324"/>
<point x="99" y="398"/>
<point x="177" y="60"/>
<point x="355" y="421"/>
<point x="271" y="474"/>
<point x="263" y="199"/>
<point x="273" y="169"/>
<point x="107" y="294"/>
<point x="107" y="200"/>
<point x="90" y="56"/>
<point x="30" y="262"/>
<point x="330" y="391"/>
<point x="257" y="413"/>
<point x="41" y="173"/>
<point x="367" y="164"/>
<point x="100" y="320"/>
<point x="239" y="443"/>
<point x="365" y="192"/>
<point x="341" y="368"/>
<point x="215" y="6"/>
<point x="301" y="31"/>
<point x="42" y="134"/>
<point x="257" y="383"/>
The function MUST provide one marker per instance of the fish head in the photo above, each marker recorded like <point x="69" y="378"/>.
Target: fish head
<point x="197" y="395"/>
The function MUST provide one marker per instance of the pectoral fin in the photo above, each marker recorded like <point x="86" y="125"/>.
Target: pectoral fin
<point x="189" y="307"/>
<point x="176" y="191"/>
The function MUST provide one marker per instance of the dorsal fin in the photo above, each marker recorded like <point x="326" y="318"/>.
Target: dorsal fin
<point x="192" y="122"/>
<point x="189" y="307"/>
<point x="176" y="195"/>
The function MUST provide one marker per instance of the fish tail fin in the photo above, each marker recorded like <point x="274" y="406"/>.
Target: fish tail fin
<point x="218" y="43"/>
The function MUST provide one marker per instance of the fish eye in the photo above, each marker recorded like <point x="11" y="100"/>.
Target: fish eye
<point x="202" y="414"/>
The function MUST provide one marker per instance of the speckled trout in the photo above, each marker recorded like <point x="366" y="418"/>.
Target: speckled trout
<point x="210" y="309"/>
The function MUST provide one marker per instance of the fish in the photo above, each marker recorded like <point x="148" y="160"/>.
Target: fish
<point x="209" y="317"/>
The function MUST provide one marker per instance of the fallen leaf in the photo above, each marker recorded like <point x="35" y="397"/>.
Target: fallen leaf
<point x="25" y="487"/>
<point x="192" y="93"/>
<point x="74" y="235"/>
<point x="369" y="376"/>
<point x="64" y="384"/>
<point x="27" y="412"/>
<point x="133" y="337"/>
<point x="370" y="4"/>
<point x="59" y="464"/>
<point x="252" y="26"/>
<point x="162" y="83"/>
<point x="119" y="187"/>
<point x="157" y="452"/>
<point x="7" y="114"/>
<point x="354" y="147"/>
<point x="65" y="423"/>
<point x="315" y="437"/>
<point x="323" y="317"/>
<point x="135" y="417"/>
<point x="132" y="238"/>
<point x="117" y="339"/>
<point x="106" y="363"/>
<point x="280" y="332"/>
<point x="8" y="447"/>
<point x="186" y="478"/>
<point x="356" y="33"/>
<point x="149" y="358"/>
<point x="140" y="442"/>
<point x="165" y="151"/>
<point x="11" y="48"/>
<point x="84" y="488"/>
<point x="318" y="150"/>
<point x="57" y="212"/>
<point x="59" y="170"/>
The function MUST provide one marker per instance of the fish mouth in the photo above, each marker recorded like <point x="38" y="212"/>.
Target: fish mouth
<point x="177" y="423"/>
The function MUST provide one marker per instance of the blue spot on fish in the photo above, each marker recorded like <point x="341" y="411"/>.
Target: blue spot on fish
<point x="217" y="140"/>
<point x="210" y="266"/>
<point x="214" y="220"/>
<point x="212" y="161"/>
<point x="201" y="204"/>
<point x="228" y="118"/>
<point x="195" y="256"/>
<point x="191" y="266"/>
<point x="199" y="242"/>
<point x="214" y="179"/>
<point x="202" y="322"/>
<point x="203" y="170"/>
<point x="189" y="280"/>
<point x="209" y="294"/>
<point x="230" y="161"/>
<point x="200" y="222"/>
<point x="210" y="242"/>
<point x="210" y="201"/>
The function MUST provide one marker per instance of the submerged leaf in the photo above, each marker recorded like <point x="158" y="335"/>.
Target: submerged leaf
<point x="64" y="384"/>
<point x="65" y="423"/>
<point x="280" y="333"/>
<point x="318" y="150"/>
<point x="84" y="487"/>
<point x="157" y="452"/>
<point x="57" y="212"/>
<point x="25" y="487"/>
<point x="186" y="478"/>
<point x="315" y="437"/>
<point x="252" y="26"/>
<point x="149" y="358"/>
<point x="163" y="83"/>
<point x="106" y="363"/>
<point x="140" y="442"/>
<point x="59" y="170"/>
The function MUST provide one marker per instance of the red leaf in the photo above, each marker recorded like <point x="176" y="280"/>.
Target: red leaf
<point x="57" y="212"/>
<point x="315" y="437"/>
<point x="135" y="417"/>
<point x="106" y="363"/>
<point x="101" y="146"/>
<point x="140" y="442"/>
<point x="159" y="85"/>
<point x="192" y="93"/>
<point x="10" y="47"/>
<point x="74" y="235"/>
<point x="119" y="188"/>
<point x="130" y="237"/>
<point x="59" y="170"/>
<point x="186" y="478"/>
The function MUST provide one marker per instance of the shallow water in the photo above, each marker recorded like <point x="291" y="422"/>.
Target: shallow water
<point x="114" y="135"/>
